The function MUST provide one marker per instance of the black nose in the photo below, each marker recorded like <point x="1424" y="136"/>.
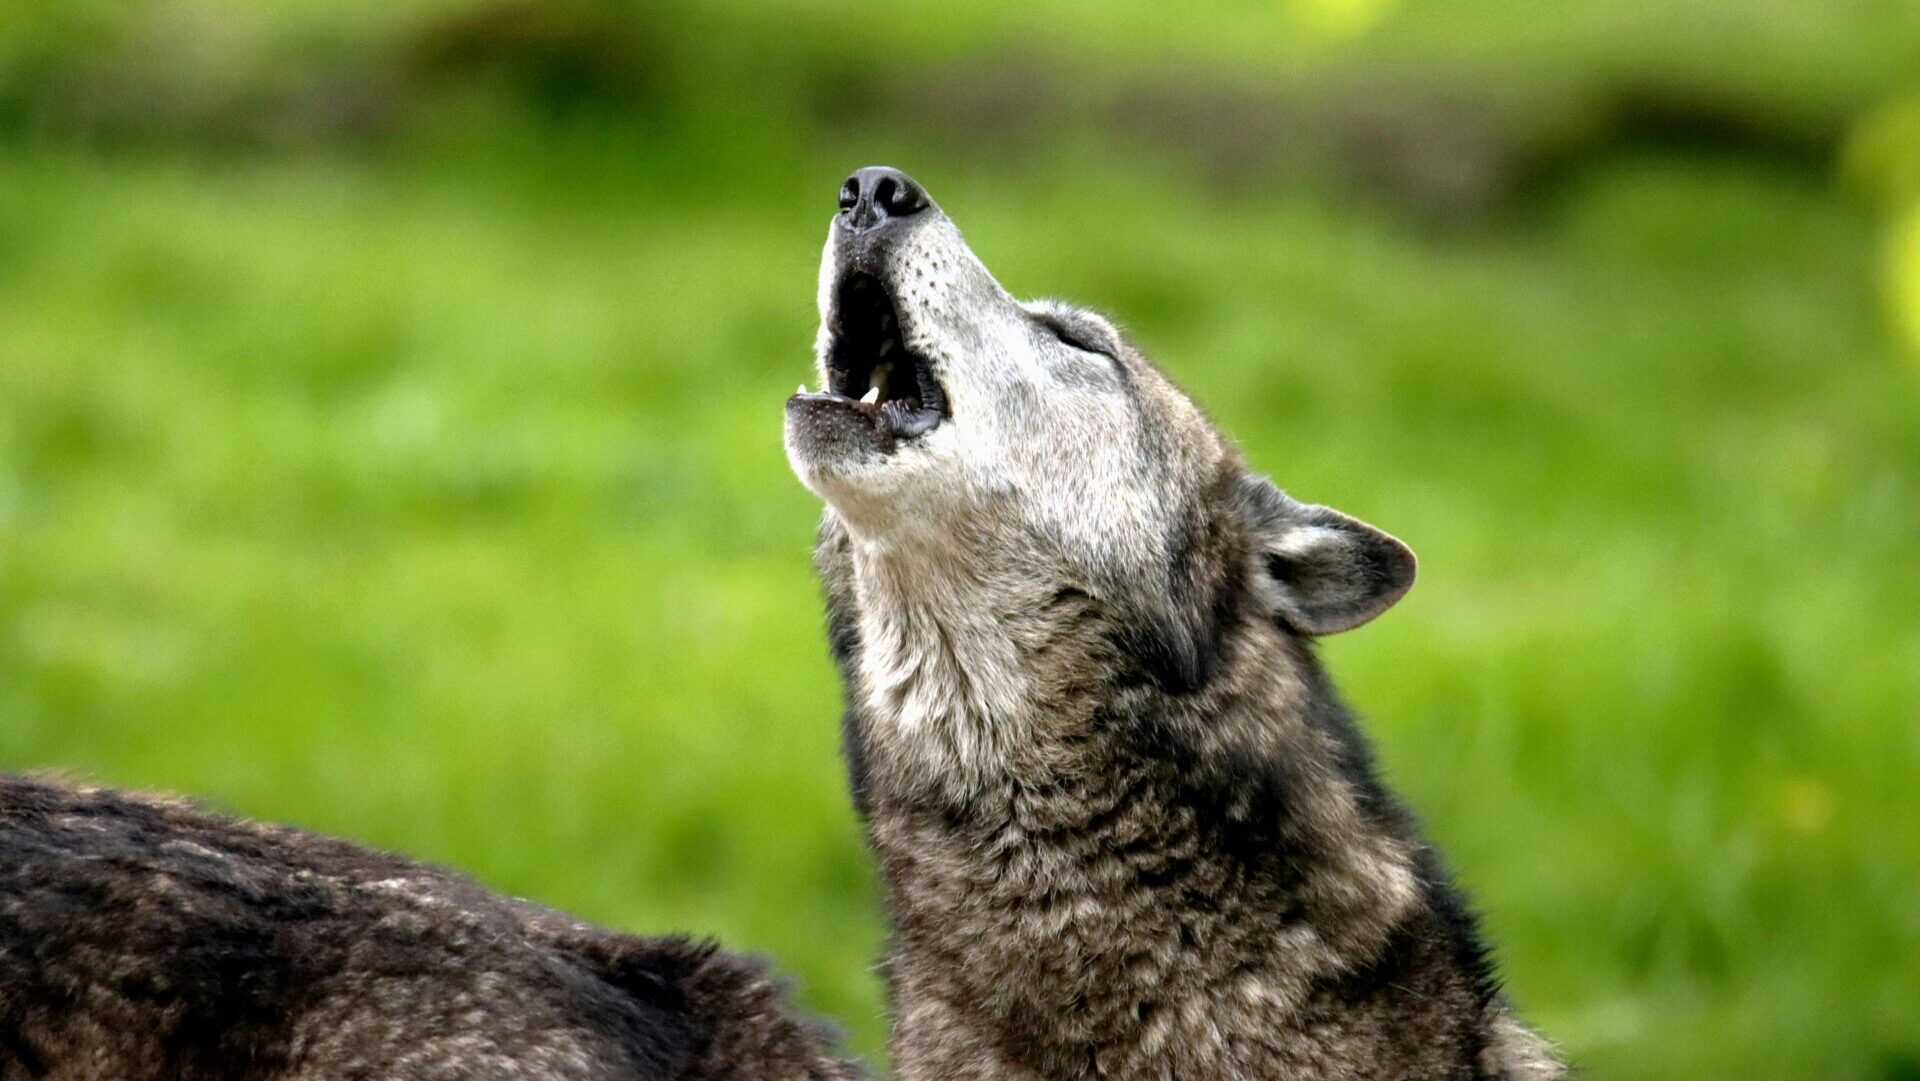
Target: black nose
<point x="876" y="195"/>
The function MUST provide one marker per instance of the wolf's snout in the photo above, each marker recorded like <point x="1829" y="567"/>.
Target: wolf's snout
<point x="876" y="195"/>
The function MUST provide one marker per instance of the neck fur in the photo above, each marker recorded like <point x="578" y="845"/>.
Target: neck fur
<point x="969" y="674"/>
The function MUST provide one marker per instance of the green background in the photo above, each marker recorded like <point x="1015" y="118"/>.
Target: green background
<point x="390" y="404"/>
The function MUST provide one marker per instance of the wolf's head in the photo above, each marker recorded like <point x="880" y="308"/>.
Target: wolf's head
<point x="987" y="459"/>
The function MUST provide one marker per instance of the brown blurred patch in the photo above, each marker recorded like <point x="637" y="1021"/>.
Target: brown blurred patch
<point x="1007" y="103"/>
<point x="191" y="71"/>
<point x="1452" y="146"/>
<point x="559" y="56"/>
<point x="197" y="72"/>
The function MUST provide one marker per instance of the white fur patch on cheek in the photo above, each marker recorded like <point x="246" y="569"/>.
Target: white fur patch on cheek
<point x="1084" y="485"/>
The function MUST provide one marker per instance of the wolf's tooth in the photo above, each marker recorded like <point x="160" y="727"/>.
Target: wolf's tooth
<point x="802" y="390"/>
<point x="871" y="396"/>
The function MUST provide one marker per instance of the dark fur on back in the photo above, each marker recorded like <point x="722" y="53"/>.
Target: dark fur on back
<point x="143" y="939"/>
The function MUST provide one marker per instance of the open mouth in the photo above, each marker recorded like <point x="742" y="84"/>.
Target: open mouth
<point x="869" y="367"/>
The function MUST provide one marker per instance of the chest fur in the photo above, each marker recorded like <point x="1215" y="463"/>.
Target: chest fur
<point x="1095" y="913"/>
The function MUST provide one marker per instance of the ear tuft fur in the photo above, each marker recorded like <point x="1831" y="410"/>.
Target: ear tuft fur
<point x="1318" y="570"/>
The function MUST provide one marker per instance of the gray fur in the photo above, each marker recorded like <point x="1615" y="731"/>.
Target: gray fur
<point x="1126" y="828"/>
<point x="143" y="939"/>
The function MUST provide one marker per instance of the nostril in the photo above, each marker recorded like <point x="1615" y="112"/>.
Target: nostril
<point x="902" y="197"/>
<point x="885" y="192"/>
<point x="849" y="193"/>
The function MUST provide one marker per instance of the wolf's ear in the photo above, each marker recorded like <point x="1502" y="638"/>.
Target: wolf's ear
<point x="1316" y="569"/>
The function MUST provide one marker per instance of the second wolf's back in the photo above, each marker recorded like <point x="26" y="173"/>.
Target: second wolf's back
<point x="146" y="940"/>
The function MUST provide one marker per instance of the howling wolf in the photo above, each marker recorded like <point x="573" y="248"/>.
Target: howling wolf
<point x="1126" y="828"/>
<point x="143" y="939"/>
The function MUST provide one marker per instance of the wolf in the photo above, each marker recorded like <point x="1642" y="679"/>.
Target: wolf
<point x="145" y="939"/>
<point x="1125" y="826"/>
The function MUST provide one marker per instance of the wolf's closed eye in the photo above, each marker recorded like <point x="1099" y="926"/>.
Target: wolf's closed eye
<point x="1071" y="337"/>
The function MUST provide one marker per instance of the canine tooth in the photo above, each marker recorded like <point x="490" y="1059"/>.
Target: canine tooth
<point x="802" y="390"/>
<point x="871" y="396"/>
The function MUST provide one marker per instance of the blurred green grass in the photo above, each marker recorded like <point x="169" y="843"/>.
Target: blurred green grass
<point x="429" y="490"/>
